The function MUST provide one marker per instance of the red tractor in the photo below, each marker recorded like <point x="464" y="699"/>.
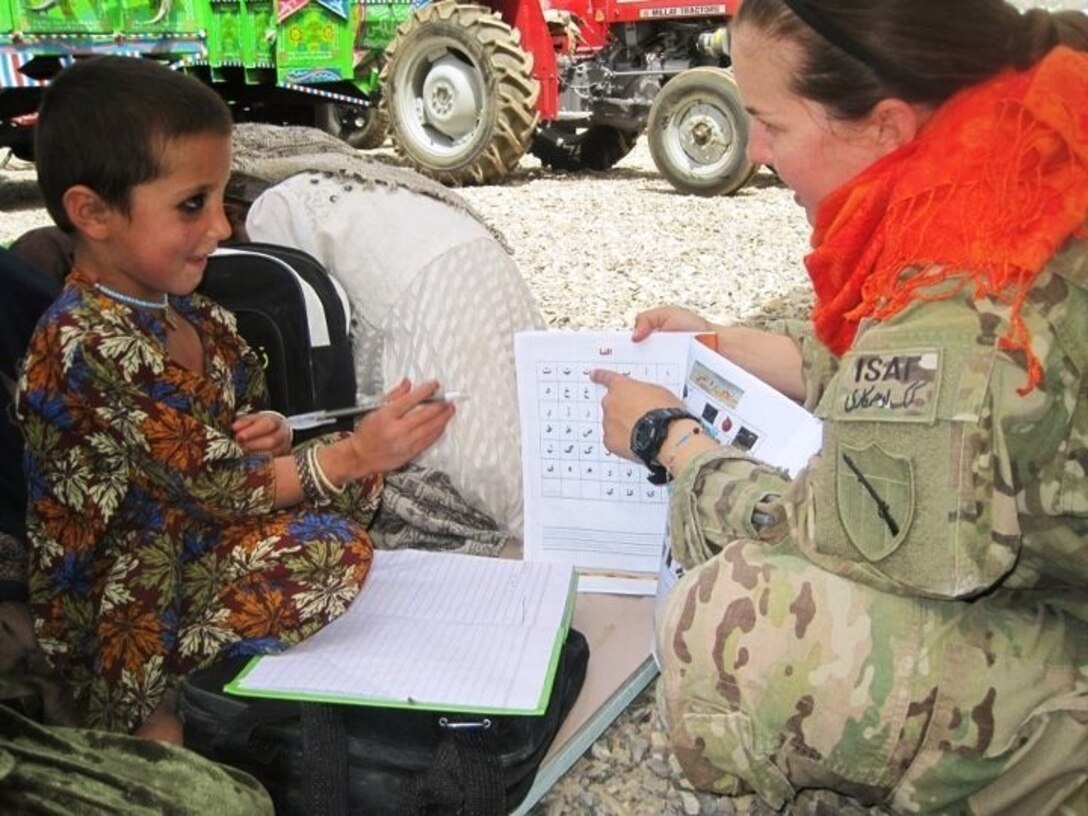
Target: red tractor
<point x="468" y="89"/>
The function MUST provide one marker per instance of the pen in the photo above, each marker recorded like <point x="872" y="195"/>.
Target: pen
<point x="315" y="419"/>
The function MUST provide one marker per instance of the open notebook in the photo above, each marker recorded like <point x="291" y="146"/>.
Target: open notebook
<point x="433" y="630"/>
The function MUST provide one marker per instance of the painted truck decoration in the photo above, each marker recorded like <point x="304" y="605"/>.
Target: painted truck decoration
<point x="464" y="89"/>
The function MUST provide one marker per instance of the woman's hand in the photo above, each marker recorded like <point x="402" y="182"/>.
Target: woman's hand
<point x="624" y="404"/>
<point x="669" y="319"/>
<point x="263" y="432"/>
<point x="403" y="428"/>
<point x="774" y="358"/>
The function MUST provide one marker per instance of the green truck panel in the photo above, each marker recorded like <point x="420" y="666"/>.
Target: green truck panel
<point x="284" y="42"/>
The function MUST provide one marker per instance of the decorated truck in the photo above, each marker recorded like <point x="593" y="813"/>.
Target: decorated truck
<point x="292" y="61"/>
<point x="465" y="89"/>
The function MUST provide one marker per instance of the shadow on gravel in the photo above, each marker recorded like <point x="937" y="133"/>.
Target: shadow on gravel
<point x="764" y="180"/>
<point x="520" y="176"/>
<point x="20" y="194"/>
<point x="663" y="188"/>
<point x="523" y="175"/>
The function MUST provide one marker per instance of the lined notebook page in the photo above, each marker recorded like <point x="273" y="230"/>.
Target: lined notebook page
<point x="433" y="630"/>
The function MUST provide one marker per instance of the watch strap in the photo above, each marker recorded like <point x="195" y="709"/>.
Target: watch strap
<point x="653" y="426"/>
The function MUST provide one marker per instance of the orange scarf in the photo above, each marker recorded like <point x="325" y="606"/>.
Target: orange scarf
<point x="989" y="190"/>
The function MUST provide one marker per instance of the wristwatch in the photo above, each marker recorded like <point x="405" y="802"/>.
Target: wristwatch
<point x="649" y="434"/>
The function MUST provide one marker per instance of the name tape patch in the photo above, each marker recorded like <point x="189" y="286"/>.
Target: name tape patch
<point x="889" y="386"/>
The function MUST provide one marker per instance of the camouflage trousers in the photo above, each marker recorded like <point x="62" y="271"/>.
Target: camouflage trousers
<point x="49" y="770"/>
<point x="779" y="677"/>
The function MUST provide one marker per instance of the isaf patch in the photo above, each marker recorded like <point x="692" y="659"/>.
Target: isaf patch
<point x="900" y="386"/>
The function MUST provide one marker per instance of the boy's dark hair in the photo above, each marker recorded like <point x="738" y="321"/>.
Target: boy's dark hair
<point x="104" y="122"/>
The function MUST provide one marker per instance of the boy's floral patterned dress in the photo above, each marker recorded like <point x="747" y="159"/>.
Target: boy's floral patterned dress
<point x="155" y="548"/>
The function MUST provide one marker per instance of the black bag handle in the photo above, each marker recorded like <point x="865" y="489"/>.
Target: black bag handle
<point x="466" y="777"/>
<point x="324" y="743"/>
<point x="238" y="736"/>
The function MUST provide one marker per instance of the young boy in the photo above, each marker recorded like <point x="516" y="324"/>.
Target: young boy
<point x="169" y="521"/>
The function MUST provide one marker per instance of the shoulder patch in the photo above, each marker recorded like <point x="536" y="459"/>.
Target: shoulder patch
<point x="875" y="494"/>
<point x="892" y="386"/>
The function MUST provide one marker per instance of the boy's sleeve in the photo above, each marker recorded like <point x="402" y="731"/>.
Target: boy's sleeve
<point x="102" y="415"/>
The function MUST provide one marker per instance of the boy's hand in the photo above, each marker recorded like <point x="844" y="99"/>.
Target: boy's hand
<point x="263" y="432"/>
<point x="402" y="429"/>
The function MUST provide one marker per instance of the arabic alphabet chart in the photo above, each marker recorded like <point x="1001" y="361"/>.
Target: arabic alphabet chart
<point x="584" y="505"/>
<point x="574" y="462"/>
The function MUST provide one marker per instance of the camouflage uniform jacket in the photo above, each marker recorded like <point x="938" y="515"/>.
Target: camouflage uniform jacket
<point x="937" y="477"/>
<point x="911" y="632"/>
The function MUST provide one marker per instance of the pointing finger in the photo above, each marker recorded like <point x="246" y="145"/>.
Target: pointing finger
<point x="604" y="377"/>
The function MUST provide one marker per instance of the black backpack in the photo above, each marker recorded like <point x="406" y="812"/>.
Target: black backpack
<point x="295" y="316"/>
<point x="27" y="294"/>
<point x="333" y="759"/>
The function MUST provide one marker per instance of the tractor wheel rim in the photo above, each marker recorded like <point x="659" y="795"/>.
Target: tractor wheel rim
<point x="701" y="138"/>
<point x="445" y="99"/>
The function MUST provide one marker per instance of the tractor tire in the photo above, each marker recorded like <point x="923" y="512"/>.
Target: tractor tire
<point x="363" y="128"/>
<point x="698" y="131"/>
<point x="459" y="93"/>
<point x="598" y="147"/>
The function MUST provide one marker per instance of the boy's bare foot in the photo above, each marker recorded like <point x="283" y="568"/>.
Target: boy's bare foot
<point x="163" y="724"/>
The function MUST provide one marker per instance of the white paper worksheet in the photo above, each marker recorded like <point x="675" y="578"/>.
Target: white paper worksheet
<point x="596" y="511"/>
<point x="739" y="409"/>
<point x="583" y="505"/>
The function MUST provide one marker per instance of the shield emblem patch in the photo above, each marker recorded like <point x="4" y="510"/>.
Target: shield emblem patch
<point x="875" y="498"/>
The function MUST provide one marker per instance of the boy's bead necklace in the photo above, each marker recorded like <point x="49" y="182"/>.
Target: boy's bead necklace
<point x="139" y="303"/>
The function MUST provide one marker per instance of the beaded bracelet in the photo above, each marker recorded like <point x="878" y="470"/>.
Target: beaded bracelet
<point x="696" y="431"/>
<point x="327" y="487"/>
<point x="307" y="477"/>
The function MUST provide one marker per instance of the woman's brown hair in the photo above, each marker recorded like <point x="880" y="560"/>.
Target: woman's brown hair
<point x="921" y="51"/>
